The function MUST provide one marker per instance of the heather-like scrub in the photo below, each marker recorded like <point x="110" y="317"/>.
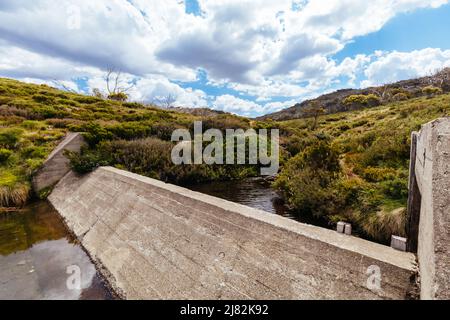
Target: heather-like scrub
<point x="373" y="147"/>
<point x="350" y="166"/>
<point x="151" y="157"/>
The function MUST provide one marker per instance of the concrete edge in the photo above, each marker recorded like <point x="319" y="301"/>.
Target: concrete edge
<point x="366" y="248"/>
<point x="68" y="138"/>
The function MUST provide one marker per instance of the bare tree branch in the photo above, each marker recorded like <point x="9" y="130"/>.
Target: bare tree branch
<point x="59" y="84"/>
<point x="165" y="102"/>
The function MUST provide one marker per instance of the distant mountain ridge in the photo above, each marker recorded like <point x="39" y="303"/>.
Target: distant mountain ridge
<point x="200" y="112"/>
<point x="333" y="102"/>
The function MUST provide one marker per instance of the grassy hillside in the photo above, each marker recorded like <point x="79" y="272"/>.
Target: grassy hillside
<point x="33" y="119"/>
<point x="355" y="99"/>
<point x="354" y="165"/>
<point x="350" y="166"/>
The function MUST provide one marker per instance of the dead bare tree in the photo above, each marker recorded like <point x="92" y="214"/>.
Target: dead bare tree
<point x="165" y="102"/>
<point x="442" y="77"/>
<point x="117" y="90"/>
<point x="61" y="85"/>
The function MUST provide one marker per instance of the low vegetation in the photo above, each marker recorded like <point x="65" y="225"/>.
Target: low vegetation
<point x="34" y="118"/>
<point x="350" y="166"/>
<point x="354" y="165"/>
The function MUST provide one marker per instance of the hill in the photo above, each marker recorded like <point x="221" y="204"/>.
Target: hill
<point x="201" y="112"/>
<point x="353" y="166"/>
<point x="33" y="119"/>
<point x="336" y="101"/>
<point x="348" y="166"/>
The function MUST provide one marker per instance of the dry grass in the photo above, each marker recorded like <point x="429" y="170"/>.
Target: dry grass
<point x="15" y="196"/>
<point x="382" y="225"/>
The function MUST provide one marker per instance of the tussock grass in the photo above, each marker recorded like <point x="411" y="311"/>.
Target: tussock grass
<point x="383" y="224"/>
<point x="14" y="196"/>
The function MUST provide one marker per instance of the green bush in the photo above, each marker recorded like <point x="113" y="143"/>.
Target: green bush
<point x="431" y="91"/>
<point x="32" y="125"/>
<point x="9" y="138"/>
<point x="4" y="155"/>
<point x="396" y="188"/>
<point x="46" y="112"/>
<point x="34" y="152"/>
<point x="41" y="98"/>
<point x="362" y="100"/>
<point x="400" y="97"/>
<point x="87" y="99"/>
<point x="86" y="161"/>
<point x="95" y="133"/>
<point x="122" y="97"/>
<point x="373" y="100"/>
<point x="307" y="179"/>
<point x="372" y="174"/>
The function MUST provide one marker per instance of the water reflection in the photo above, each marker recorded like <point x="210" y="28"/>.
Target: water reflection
<point x="253" y="192"/>
<point x="35" y="251"/>
<point x="256" y="193"/>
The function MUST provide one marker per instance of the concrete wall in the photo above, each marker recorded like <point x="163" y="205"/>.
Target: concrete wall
<point x="158" y="241"/>
<point x="57" y="165"/>
<point x="432" y="174"/>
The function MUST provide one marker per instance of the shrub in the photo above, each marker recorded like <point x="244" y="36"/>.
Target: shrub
<point x="87" y="99"/>
<point x="132" y="105"/>
<point x="32" y="125"/>
<point x="372" y="174"/>
<point x="62" y="123"/>
<point x="94" y="133"/>
<point x="130" y="130"/>
<point x="396" y="188"/>
<point x="40" y="98"/>
<point x="361" y="100"/>
<point x="4" y="155"/>
<point x="86" y="161"/>
<point x="373" y="100"/>
<point x="400" y="97"/>
<point x="150" y="156"/>
<point x="307" y="179"/>
<point x="431" y="91"/>
<point x="122" y="97"/>
<point x="9" y="138"/>
<point x="46" y="112"/>
<point x="34" y="152"/>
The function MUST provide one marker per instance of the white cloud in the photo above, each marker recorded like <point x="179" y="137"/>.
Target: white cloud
<point x="351" y="18"/>
<point x="262" y="48"/>
<point x="394" y="66"/>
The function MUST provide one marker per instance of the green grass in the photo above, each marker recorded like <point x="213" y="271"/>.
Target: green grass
<point x="373" y="146"/>
<point x="353" y="166"/>
<point x="34" y="118"/>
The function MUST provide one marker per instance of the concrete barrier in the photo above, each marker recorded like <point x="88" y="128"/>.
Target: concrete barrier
<point x="57" y="165"/>
<point x="429" y="207"/>
<point x="153" y="240"/>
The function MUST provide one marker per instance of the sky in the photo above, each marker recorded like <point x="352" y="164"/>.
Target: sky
<point x="248" y="57"/>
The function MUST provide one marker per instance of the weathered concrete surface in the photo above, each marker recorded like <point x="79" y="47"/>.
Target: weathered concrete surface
<point x="414" y="200"/>
<point x="57" y="165"/>
<point x="158" y="241"/>
<point x="432" y="170"/>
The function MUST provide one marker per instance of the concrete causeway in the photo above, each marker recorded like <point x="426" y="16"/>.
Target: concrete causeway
<point x="153" y="240"/>
<point x="159" y="241"/>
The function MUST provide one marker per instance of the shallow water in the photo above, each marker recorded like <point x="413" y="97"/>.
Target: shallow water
<point x="253" y="192"/>
<point x="38" y="257"/>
